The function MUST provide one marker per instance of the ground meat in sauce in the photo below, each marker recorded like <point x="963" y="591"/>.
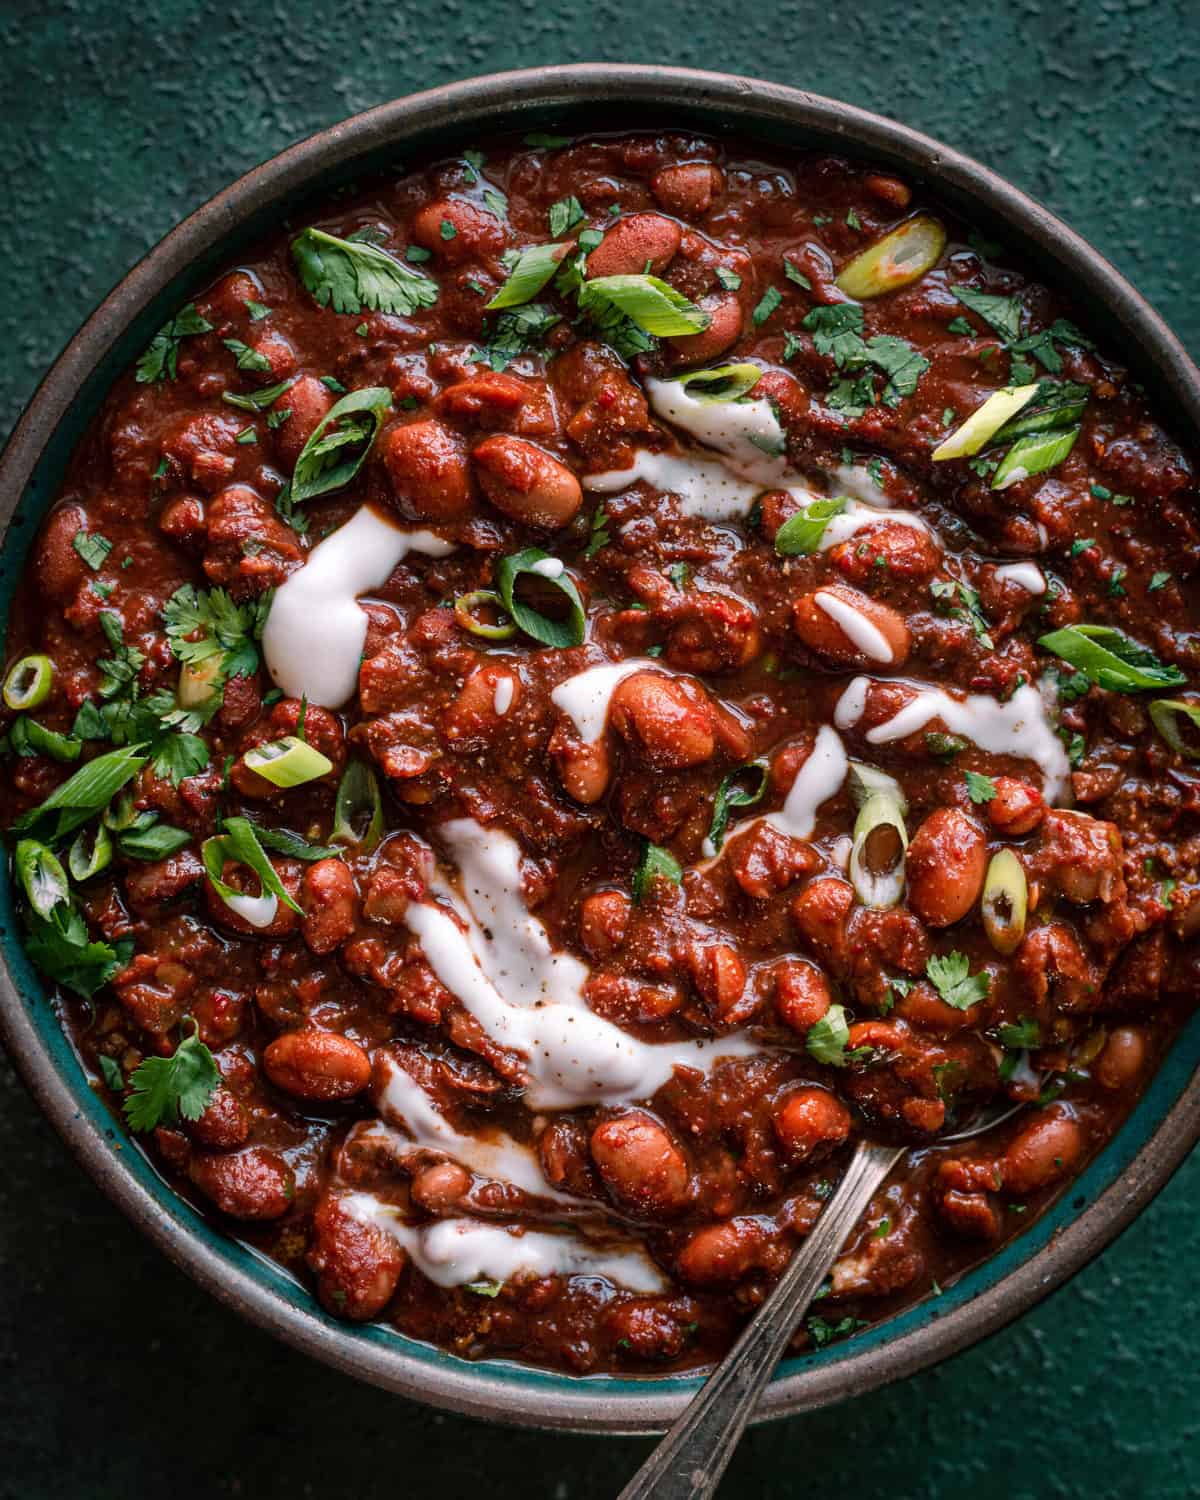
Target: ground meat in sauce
<point x="329" y="1024"/>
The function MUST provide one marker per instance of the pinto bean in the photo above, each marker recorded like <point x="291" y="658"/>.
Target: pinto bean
<point x="907" y="553"/>
<point x="236" y="516"/>
<point x="801" y="994"/>
<point x="647" y="1330"/>
<point x="225" y="1122"/>
<point x="526" y="483"/>
<point x="1016" y="808"/>
<point x="808" y="1119"/>
<point x="584" y="770"/>
<point x="603" y="922"/>
<point x="357" y="1264"/>
<point x="309" y="401"/>
<point x="60" y="569"/>
<point x="888" y="190"/>
<point x="634" y="241"/>
<point x="688" y="188"/>
<point x="440" y="1186"/>
<point x="489" y="398"/>
<point x="488" y="695"/>
<point x="723" y="331"/>
<point x="182" y="519"/>
<point x="565" y="1162"/>
<point x="670" y="724"/>
<point x="330" y="902"/>
<point x="1123" y="1058"/>
<point x="947" y="860"/>
<point x="722" y="1252"/>
<point x="320" y="1065"/>
<point x="428" y="468"/>
<point x="849" y="628"/>
<point x="475" y="232"/>
<point x="1045" y="1150"/>
<point x="252" y="1184"/>
<point x="642" y="1167"/>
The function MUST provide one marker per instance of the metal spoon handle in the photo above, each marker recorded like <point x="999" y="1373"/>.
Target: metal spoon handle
<point x="689" y="1462"/>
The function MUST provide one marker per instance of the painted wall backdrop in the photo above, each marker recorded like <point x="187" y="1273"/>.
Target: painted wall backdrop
<point x="118" y="1376"/>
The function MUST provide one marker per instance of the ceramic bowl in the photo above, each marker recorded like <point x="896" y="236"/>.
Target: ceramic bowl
<point x="1096" y="1207"/>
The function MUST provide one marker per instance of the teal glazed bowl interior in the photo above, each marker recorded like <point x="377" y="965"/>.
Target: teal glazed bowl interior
<point x="1095" y="1207"/>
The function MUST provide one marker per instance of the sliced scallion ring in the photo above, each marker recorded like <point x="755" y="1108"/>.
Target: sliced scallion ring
<point x="200" y="682"/>
<point x="869" y="781"/>
<point x="1164" y="714"/>
<point x="466" y="605"/>
<point x="358" y="810"/>
<point x="533" y="269"/>
<point x="238" y="845"/>
<point x="1005" y="901"/>
<point x="877" y="854"/>
<point x="120" y="814"/>
<point x="28" y="682"/>
<point x="91" y="852"/>
<point x="1034" y="453"/>
<point x="41" y="876"/>
<point x="730" y="795"/>
<point x="550" y="632"/>
<point x="725" y="383"/>
<point x="897" y="260"/>
<point x="288" y="762"/>
<point x="985" y="422"/>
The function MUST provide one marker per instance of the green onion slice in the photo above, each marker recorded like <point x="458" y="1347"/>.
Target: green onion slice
<point x="41" y="876"/>
<point x="725" y="383"/>
<point x="731" y="795"/>
<point x="550" y="632"/>
<point x="201" y="682"/>
<point x="985" y="422"/>
<point x="28" y="737"/>
<point x="339" y="444"/>
<point x="869" y="781"/>
<point x="284" y="841"/>
<point x="91" y="852"/>
<point x="28" y="682"/>
<point x="1165" y="714"/>
<point x="465" y="606"/>
<point x="120" y="814"/>
<point x="1033" y="454"/>
<point x="288" y="762"/>
<point x="239" y="845"/>
<point x="654" y="863"/>
<point x="649" y="302"/>
<point x="83" y="795"/>
<point x="533" y="269"/>
<point x="153" y="842"/>
<point x="877" y="854"/>
<point x="358" y="810"/>
<point x="897" y="260"/>
<point x="1110" y="658"/>
<point x="1057" y="403"/>
<point x="1005" y="901"/>
<point x="801" y="534"/>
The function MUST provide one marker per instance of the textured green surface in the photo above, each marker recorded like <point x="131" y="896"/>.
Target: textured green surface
<point x="121" y="119"/>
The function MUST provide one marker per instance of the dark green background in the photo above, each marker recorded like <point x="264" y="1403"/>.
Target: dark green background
<point x="120" y="1378"/>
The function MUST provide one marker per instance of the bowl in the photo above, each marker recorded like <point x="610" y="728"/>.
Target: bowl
<point x="1095" y="1208"/>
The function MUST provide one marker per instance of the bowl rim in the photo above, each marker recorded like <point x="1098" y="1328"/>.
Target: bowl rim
<point x="504" y="102"/>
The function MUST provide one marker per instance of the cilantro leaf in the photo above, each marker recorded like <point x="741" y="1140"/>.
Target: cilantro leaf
<point x="92" y="547"/>
<point x="1000" y="313"/>
<point x="166" y="1088"/>
<point x="351" y="276"/>
<point x="1020" y="1036"/>
<point x="247" y="358"/>
<point x="564" y="215"/>
<point x="517" y="331"/>
<point x="160" y="358"/>
<point x="950" y="975"/>
<point x="980" y="788"/>
<point x="836" y="331"/>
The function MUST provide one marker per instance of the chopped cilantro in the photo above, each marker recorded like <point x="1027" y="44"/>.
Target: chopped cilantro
<point x="950" y="975"/>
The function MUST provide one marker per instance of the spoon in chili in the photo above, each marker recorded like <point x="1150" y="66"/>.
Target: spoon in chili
<point x="692" y="1457"/>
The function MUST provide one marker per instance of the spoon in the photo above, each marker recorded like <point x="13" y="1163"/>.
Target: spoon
<point x="690" y="1460"/>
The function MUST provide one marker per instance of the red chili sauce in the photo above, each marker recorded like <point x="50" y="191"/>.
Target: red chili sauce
<point x="876" y="836"/>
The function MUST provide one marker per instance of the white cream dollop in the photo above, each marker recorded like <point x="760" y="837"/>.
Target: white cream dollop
<point x="315" y="631"/>
<point x="1018" y="727"/>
